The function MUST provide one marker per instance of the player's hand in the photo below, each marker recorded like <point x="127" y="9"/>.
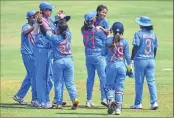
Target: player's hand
<point x="129" y="71"/>
<point x="98" y="27"/>
<point x="61" y="14"/>
<point x="39" y="17"/>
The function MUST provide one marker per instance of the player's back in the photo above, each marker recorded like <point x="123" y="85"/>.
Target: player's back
<point x="146" y="41"/>
<point x="93" y="41"/>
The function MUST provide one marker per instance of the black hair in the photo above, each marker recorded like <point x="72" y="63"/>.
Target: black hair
<point x="100" y="8"/>
<point x="86" y="25"/>
<point x="63" y="27"/>
<point x="147" y="27"/>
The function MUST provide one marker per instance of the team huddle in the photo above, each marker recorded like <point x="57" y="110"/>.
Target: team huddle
<point x="47" y="57"/>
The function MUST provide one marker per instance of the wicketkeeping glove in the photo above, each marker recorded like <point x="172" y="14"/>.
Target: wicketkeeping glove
<point x="129" y="72"/>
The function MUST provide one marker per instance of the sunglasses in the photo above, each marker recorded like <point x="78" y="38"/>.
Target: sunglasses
<point x="32" y="17"/>
<point x="48" y="10"/>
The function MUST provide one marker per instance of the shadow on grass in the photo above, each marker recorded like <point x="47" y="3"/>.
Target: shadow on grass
<point x="17" y="105"/>
<point x="76" y="113"/>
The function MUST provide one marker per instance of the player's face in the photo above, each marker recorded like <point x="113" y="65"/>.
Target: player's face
<point x="32" y="19"/>
<point x="47" y="13"/>
<point x="102" y="13"/>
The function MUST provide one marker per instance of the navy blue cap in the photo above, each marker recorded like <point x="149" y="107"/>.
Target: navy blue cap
<point x="46" y="5"/>
<point x="90" y="16"/>
<point x="118" y="27"/>
<point x="67" y="18"/>
<point x="30" y="13"/>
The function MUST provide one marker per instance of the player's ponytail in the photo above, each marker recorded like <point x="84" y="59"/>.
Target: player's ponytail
<point x="116" y="39"/>
<point x="62" y="28"/>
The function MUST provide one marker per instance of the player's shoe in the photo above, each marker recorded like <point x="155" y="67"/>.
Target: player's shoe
<point x="63" y="103"/>
<point x="154" y="106"/>
<point x="104" y="103"/>
<point x="139" y="106"/>
<point x="117" y="111"/>
<point x="75" y="104"/>
<point x="112" y="107"/>
<point x="35" y="103"/>
<point x="19" y="100"/>
<point x="59" y="107"/>
<point x="47" y="105"/>
<point x="90" y="104"/>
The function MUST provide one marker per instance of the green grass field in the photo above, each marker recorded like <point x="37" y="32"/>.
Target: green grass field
<point x="12" y="69"/>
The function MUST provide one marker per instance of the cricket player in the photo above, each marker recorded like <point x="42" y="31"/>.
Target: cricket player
<point x="43" y="54"/>
<point x="93" y="40"/>
<point x="143" y="53"/>
<point x="27" y="44"/>
<point x="117" y="51"/>
<point x="58" y="18"/>
<point x="63" y="66"/>
<point x="101" y="21"/>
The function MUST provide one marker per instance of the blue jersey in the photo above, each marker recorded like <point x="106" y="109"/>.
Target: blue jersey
<point x="93" y="41"/>
<point x="119" y="53"/>
<point x="41" y="40"/>
<point x="61" y="46"/>
<point x="103" y="22"/>
<point x="146" y="42"/>
<point x="27" y="41"/>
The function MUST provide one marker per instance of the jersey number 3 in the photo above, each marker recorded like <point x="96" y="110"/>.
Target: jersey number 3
<point x="148" y="46"/>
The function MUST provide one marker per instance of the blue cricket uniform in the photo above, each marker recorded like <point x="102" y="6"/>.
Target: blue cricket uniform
<point x="94" y="42"/>
<point x="63" y="66"/>
<point x="144" y="64"/>
<point x="115" y="69"/>
<point x="43" y="54"/>
<point x="102" y="22"/>
<point x="27" y="44"/>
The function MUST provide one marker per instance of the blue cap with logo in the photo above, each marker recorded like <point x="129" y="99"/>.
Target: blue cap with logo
<point x="46" y="5"/>
<point x="118" y="27"/>
<point x="90" y="16"/>
<point x="30" y="13"/>
<point x="143" y="21"/>
<point x="57" y="19"/>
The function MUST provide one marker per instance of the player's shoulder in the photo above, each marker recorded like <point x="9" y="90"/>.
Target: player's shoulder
<point x="105" y="20"/>
<point x="109" y="40"/>
<point x="26" y="26"/>
<point x="124" y="41"/>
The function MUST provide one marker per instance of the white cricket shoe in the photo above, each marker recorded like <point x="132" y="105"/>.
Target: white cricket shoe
<point x="117" y="111"/>
<point x="47" y="105"/>
<point x="136" y="106"/>
<point x="154" y="106"/>
<point x="90" y="104"/>
<point x="20" y="100"/>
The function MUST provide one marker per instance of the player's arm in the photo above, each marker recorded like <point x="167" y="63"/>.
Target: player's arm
<point x="104" y="30"/>
<point x="127" y="53"/>
<point x="155" y="46"/>
<point x="155" y="51"/>
<point x="48" y="34"/>
<point x="135" y="43"/>
<point x="26" y="32"/>
<point x="134" y="51"/>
